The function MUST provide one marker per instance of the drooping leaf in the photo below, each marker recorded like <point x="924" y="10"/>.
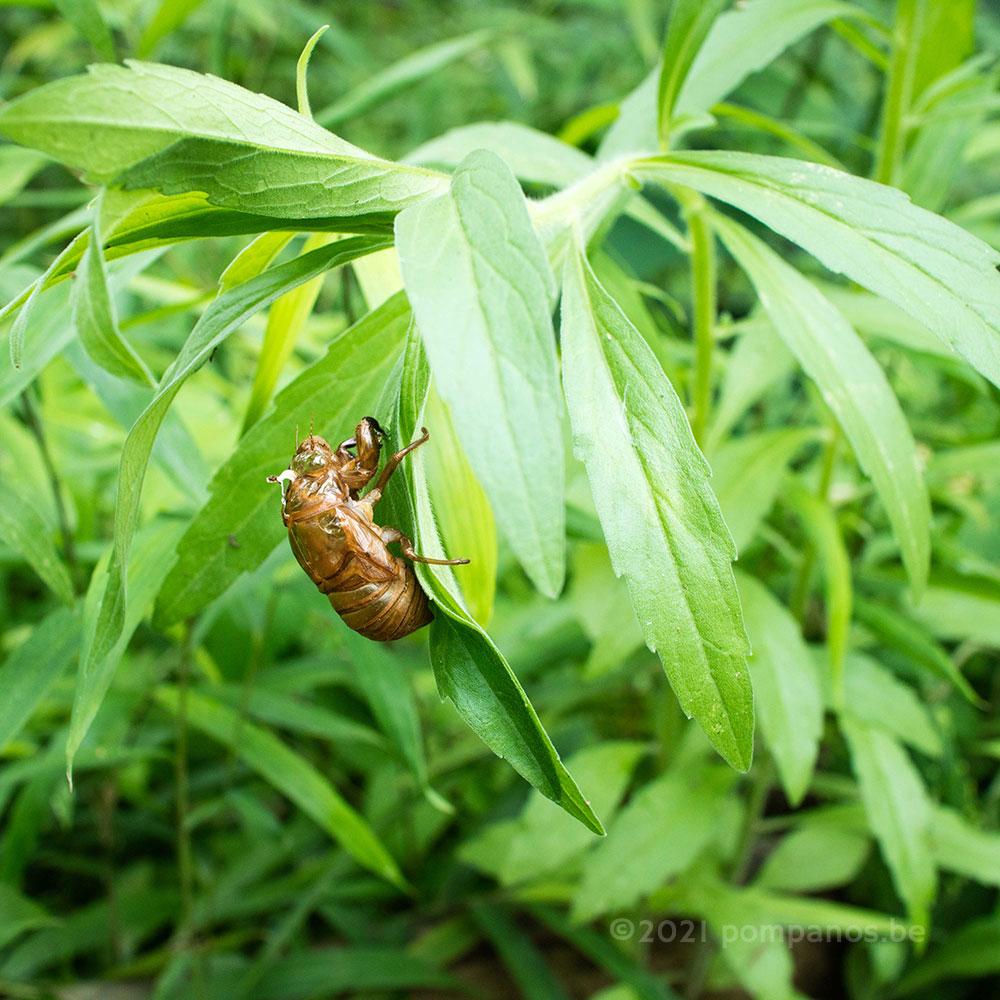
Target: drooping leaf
<point x="478" y="278"/>
<point x="288" y="772"/>
<point x="664" y="530"/>
<point x="787" y="692"/>
<point x="898" y="809"/>
<point x="959" y="846"/>
<point x="853" y="386"/>
<point x="935" y="271"/>
<point x="241" y="522"/>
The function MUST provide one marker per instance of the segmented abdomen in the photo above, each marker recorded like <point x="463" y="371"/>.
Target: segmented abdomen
<point x="383" y="610"/>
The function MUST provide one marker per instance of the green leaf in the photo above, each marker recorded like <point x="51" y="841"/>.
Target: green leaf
<point x="853" y="386"/>
<point x="468" y="667"/>
<point x="96" y="319"/>
<point x="241" y="522"/>
<point x="681" y="807"/>
<point x="961" y="608"/>
<point x="899" y="812"/>
<point x="664" y="530"/>
<point x="690" y="23"/>
<point x="226" y="313"/>
<point x="151" y="125"/>
<point x="463" y="514"/>
<point x="255" y="257"/>
<point x="814" y="859"/>
<point x="959" y="846"/>
<point x="286" y="320"/>
<point x="24" y="530"/>
<point x="411" y="69"/>
<point x="30" y="669"/>
<point x="787" y="692"/>
<point x="907" y="637"/>
<point x="288" y="772"/>
<point x="478" y="278"/>
<point x="874" y="695"/>
<point x="151" y="558"/>
<point x="747" y="474"/>
<point x="470" y="670"/>
<point x="935" y="271"/>
<point x="170" y="14"/>
<point x="19" y="914"/>
<point x="17" y="167"/>
<point x="742" y="41"/>
<point x="85" y="16"/>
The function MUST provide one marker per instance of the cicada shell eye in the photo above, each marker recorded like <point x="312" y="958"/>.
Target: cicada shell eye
<point x="313" y="455"/>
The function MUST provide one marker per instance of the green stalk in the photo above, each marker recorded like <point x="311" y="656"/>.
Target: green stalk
<point x="899" y="91"/>
<point x="703" y="282"/>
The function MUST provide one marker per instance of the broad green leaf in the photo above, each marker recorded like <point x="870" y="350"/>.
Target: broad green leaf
<point x="96" y="318"/>
<point x="819" y="522"/>
<point x="183" y="132"/>
<point x="656" y="836"/>
<point x="935" y="271"/>
<point x="747" y="473"/>
<point x="470" y="671"/>
<point x="690" y="23"/>
<point x="226" y="313"/>
<point x="85" y="16"/>
<point x="468" y="667"/>
<point x="241" y="522"/>
<point x="407" y="71"/>
<point x="873" y="694"/>
<point x="151" y="558"/>
<point x="25" y="531"/>
<point x="664" y="530"/>
<point x="853" y="386"/>
<point x="285" y="321"/>
<point x="959" y="846"/>
<point x="479" y="282"/>
<point x="787" y="692"/>
<point x="27" y="673"/>
<point x="971" y="951"/>
<point x="814" y="859"/>
<point x="288" y="772"/>
<point x="899" y="812"/>
<point x="463" y="514"/>
<point x="742" y="41"/>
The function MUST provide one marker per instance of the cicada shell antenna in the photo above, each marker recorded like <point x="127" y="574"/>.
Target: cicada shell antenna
<point x="296" y="437"/>
<point x="311" y="424"/>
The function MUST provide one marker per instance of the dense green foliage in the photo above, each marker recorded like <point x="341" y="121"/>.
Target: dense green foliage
<point x="666" y="287"/>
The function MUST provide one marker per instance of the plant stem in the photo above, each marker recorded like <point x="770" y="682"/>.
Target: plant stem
<point x="800" y="592"/>
<point x="703" y="280"/>
<point x="183" y="806"/>
<point x="34" y="423"/>
<point x="899" y="91"/>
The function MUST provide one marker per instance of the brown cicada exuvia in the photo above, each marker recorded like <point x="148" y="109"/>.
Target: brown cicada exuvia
<point x="333" y="534"/>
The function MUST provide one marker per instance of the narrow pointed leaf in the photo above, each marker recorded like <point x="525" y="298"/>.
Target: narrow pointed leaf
<point x="853" y="386"/>
<point x="662" y="522"/>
